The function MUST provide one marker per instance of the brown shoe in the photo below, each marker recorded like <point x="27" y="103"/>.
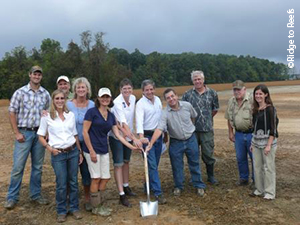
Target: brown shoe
<point x="76" y="215"/>
<point x="124" y="201"/>
<point x="61" y="218"/>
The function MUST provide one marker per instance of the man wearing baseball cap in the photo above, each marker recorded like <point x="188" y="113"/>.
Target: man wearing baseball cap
<point x="25" y="110"/>
<point x="239" y="117"/>
<point x="63" y="83"/>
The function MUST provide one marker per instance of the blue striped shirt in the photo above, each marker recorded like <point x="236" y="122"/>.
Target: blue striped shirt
<point x="28" y="104"/>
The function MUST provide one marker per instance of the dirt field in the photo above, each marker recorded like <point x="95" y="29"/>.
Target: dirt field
<point x="223" y="204"/>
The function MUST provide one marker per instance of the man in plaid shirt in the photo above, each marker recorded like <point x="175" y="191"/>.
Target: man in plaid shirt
<point x="25" y="110"/>
<point x="206" y="103"/>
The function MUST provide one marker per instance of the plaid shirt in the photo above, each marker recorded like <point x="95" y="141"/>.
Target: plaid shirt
<point x="204" y="104"/>
<point x="28" y="105"/>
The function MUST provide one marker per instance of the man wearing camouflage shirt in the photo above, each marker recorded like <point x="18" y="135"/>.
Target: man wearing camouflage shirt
<point x="205" y="102"/>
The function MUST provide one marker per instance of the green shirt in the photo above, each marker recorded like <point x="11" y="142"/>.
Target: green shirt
<point x="240" y="117"/>
<point x="204" y="104"/>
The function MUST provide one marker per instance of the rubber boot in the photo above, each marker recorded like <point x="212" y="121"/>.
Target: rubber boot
<point x="95" y="199"/>
<point x="210" y="175"/>
<point x="98" y="208"/>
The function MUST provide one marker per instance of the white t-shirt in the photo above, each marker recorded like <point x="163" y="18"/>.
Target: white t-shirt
<point x="124" y="113"/>
<point x="61" y="133"/>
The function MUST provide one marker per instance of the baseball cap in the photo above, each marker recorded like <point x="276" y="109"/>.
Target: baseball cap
<point x="35" y="69"/>
<point x="104" y="91"/>
<point x="238" y="84"/>
<point x="63" y="77"/>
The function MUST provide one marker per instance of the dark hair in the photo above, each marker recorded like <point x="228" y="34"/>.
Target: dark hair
<point x="169" y="90"/>
<point x="268" y="100"/>
<point x="147" y="82"/>
<point x="97" y="103"/>
<point x="125" y="82"/>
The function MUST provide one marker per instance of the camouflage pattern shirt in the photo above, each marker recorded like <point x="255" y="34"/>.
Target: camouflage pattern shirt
<point x="204" y="104"/>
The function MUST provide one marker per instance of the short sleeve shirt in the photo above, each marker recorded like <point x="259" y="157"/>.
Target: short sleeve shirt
<point x="240" y="117"/>
<point x="204" y="104"/>
<point x="61" y="132"/>
<point x="178" y="122"/>
<point x="98" y="130"/>
<point x="79" y="115"/>
<point x="28" y="105"/>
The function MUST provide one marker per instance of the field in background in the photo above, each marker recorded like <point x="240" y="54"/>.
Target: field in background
<point x="218" y="87"/>
<point x="223" y="204"/>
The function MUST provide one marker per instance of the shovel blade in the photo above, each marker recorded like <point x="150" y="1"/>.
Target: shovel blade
<point x="149" y="208"/>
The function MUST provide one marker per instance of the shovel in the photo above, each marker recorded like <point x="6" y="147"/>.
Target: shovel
<point x="148" y="208"/>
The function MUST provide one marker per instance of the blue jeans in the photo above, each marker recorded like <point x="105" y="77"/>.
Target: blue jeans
<point x="120" y="153"/>
<point x="176" y="151"/>
<point x="242" y="147"/>
<point x="21" y="153"/>
<point x="65" y="167"/>
<point x="153" y="161"/>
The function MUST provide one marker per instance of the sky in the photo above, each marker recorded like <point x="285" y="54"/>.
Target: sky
<point x="234" y="27"/>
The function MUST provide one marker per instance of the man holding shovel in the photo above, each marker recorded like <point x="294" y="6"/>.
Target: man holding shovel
<point x="177" y="119"/>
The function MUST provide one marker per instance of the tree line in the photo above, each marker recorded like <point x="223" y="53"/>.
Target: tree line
<point x="102" y="66"/>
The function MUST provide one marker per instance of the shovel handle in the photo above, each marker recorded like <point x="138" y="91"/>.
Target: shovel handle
<point x="147" y="176"/>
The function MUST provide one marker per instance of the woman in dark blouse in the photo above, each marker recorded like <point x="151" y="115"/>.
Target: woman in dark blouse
<point x="264" y="143"/>
<point x="98" y="121"/>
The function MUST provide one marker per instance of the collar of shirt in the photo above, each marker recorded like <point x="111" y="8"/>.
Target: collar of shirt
<point x="148" y="100"/>
<point x="246" y="97"/>
<point x="170" y="109"/>
<point x="206" y="90"/>
<point x="28" y="88"/>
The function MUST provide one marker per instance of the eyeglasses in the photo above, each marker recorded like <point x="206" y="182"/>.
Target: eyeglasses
<point x="59" y="98"/>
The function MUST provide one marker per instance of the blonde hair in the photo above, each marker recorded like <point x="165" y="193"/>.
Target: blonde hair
<point x="87" y="84"/>
<point x="53" y="114"/>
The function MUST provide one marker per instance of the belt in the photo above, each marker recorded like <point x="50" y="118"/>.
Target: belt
<point x="245" y="131"/>
<point x="148" y="132"/>
<point x="68" y="149"/>
<point x="29" y="128"/>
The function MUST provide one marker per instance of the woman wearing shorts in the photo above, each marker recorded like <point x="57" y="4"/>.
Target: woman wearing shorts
<point x="98" y="121"/>
<point x="123" y="110"/>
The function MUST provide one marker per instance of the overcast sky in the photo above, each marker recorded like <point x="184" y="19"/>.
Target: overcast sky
<point x="235" y="27"/>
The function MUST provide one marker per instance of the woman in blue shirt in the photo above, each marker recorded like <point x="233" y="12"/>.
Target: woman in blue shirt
<point x="98" y="121"/>
<point x="79" y="106"/>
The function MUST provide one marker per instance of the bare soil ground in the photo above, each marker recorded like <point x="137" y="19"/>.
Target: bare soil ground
<point x="223" y="204"/>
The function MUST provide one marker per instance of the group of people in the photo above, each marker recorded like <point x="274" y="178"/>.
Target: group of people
<point x="79" y="133"/>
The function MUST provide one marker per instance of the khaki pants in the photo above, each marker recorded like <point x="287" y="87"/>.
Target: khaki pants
<point x="264" y="172"/>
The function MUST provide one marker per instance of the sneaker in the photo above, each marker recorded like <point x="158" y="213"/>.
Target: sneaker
<point x="269" y="197"/>
<point x="242" y="182"/>
<point x="200" y="192"/>
<point x="255" y="194"/>
<point x="10" y="204"/>
<point x="161" y="199"/>
<point x="61" y="218"/>
<point x="41" y="201"/>
<point x="177" y="192"/>
<point x="124" y="201"/>
<point x="76" y="215"/>
<point x="128" y="191"/>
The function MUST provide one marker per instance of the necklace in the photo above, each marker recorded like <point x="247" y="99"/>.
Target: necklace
<point x="103" y="114"/>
